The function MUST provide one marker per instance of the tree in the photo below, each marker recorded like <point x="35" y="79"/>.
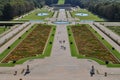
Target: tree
<point x="8" y="11"/>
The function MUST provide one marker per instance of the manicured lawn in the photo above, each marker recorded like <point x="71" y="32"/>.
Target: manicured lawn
<point x="3" y="29"/>
<point x="89" y="46"/>
<point x="74" y="50"/>
<point x="50" y="42"/>
<point x="32" y="45"/>
<point x="90" y="17"/>
<point x="115" y="29"/>
<point x="34" y="16"/>
<point x="61" y="1"/>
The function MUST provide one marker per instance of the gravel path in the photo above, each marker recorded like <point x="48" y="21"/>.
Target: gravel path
<point x="11" y="41"/>
<point x="113" y="35"/>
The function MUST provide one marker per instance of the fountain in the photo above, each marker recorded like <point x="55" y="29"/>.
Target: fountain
<point x="61" y="22"/>
<point x="42" y="14"/>
<point x="81" y="14"/>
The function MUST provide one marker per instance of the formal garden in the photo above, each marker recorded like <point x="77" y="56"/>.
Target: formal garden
<point x="35" y="43"/>
<point x="85" y="42"/>
<point x="115" y="29"/>
<point x="85" y="15"/>
<point x="38" y="14"/>
<point x="3" y="29"/>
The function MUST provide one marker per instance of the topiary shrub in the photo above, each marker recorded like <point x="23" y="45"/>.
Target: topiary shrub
<point x="50" y="42"/>
<point x="113" y="48"/>
<point x="71" y="42"/>
<point x="14" y="61"/>
<point x="19" y="37"/>
<point x="69" y="34"/>
<point x="52" y="34"/>
<point x="102" y="38"/>
<point x="9" y="47"/>
<point x="106" y="62"/>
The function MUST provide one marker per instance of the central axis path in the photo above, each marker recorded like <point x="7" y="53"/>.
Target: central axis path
<point x="60" y="65"/>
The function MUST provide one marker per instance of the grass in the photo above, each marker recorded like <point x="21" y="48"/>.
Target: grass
<point x="90" y="17"/>
<point x="115" y="29"/>
<point x="47" y="49"/>
<point x="75" y="53"/>
<point x="61" y="1"/>
<point x="51" y="39"/>
<point x="33" y="16"/>
<point x="3" y="29"/>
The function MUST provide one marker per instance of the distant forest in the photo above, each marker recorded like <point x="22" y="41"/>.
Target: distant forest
<point x="109" y="9"/>
<point x="12" y="8"/>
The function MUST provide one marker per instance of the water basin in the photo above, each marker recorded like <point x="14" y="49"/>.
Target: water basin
<point x="61" y="22"/>
<point x="81" y="14"/>
<point x="42" y="14"/>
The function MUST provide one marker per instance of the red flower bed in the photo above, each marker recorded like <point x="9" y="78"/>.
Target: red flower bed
<point x="32" y="45"/>
<point x="90" y="46"/>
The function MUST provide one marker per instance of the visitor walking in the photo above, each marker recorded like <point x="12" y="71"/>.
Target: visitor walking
<point x="64" y="48"/>
<point x="63" y="41"/>
<point x="27" y="70"/>
<point x="105" y="74"/>
<point x="22" y="71"/>
<point x="92" y="71"/>
<point x="15" y="73"/>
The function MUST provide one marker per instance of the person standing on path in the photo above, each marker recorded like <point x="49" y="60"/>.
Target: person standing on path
<point x="92" y="71"/>
<point x="15" y="73"/>
<point x="27" y="70"/>
<point x="105" y="74"/>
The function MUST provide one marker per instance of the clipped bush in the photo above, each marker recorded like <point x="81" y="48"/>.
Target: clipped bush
<point x="106" y="62"/>
<point x="102" y="38"/>
<point x="113" y="48"/>
<point x="52" y="34"/>
<point x="50" y="42"/>
<point x="19" y="37"/>
<point x="69" y="34"/>
<point x="9" y="47"/>
<point x="71" y="42"/>
<point x="14" y="61"/>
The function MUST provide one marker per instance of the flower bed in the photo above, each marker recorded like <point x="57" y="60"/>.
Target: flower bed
<point x="89" y="46"/>
<point x="32" y="45"/>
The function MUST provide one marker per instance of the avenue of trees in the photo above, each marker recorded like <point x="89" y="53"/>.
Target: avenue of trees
<point x="12" y="8"/>
<point x="109" y="9"/>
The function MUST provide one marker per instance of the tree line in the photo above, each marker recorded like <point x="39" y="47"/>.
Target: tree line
<point x="12" y="8"/>
<point x="109" y="9"/>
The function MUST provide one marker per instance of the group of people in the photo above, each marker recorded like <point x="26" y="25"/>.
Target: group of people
<point x="62" y="47"/>
<point x="26" y="72"/>
<point x="92" y="72"/>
